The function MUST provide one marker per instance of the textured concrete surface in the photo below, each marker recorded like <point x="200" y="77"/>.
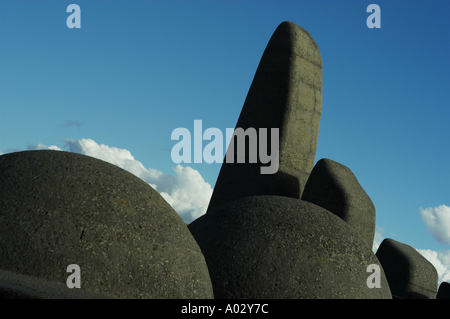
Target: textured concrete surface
<point x="286" y="93"/>
<point x="410" y="275"/>
<point x="334" y="187"/>
<point x="59" y="208"/>
<point x="281" y="247"/>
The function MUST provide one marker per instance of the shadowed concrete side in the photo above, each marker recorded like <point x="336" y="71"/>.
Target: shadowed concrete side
<point x="333" y="186"/>
<point x="410" y="275"/>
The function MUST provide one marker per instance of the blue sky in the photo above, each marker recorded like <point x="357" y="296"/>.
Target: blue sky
<point x="137" y="70"/>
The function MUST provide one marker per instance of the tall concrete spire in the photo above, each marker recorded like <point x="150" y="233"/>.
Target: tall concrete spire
<point x="286" y="93"/>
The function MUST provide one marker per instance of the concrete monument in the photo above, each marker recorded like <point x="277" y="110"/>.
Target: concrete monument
<point x="286" y="93"/>
<point x="59" y="208"/>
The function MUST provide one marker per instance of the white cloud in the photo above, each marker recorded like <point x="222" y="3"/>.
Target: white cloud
<point x="378" y="238"/>
<point x="113" y="155"/>
<point x="187" y="192"/>
<point x="1" y="153"/>
<point x="438" y="221"/>
<point x="440" y="260"/>
<point x="39" y="146"/>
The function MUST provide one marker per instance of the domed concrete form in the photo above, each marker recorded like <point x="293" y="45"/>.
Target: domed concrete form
<point x="334" y="187"/>
<point x="410" y="275"/>
<point x="59" y="208"/>
<point x="286" y="94"/>
<point x="281" y="247"/>
<point x="443" y="291"/>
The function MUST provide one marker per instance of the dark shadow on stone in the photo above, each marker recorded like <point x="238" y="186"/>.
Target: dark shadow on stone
<point x="444" y="291"/>
<point x="281" y="184"/>
<point x="410" y="275"/>
<point x="334" y="187"/>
